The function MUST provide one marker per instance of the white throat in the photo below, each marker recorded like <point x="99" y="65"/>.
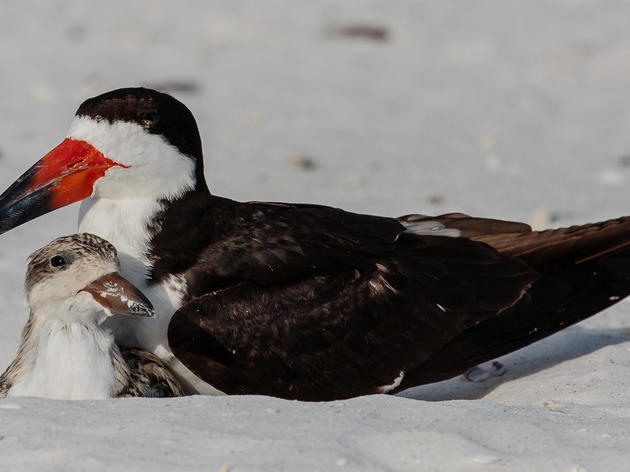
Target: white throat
<point x="70" y="360"/>
<point x="124" y="202"/>
<point x="123" y="222"/>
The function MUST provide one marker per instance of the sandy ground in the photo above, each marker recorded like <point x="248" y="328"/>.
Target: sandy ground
<point x="504" y="109"/>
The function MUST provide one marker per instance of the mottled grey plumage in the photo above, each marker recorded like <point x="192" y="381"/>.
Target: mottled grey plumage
<point x="77" y="263"/>
<point x="85" y="246"/>
<point x="147" y="375"/>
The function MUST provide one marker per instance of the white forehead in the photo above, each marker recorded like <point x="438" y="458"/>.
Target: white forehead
<point x="156" y="167"/>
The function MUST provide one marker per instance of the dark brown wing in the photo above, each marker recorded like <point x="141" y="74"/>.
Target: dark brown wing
<point x="315" y="303"/>
<point x="148" y="376"/>
<point x="217" y="242"/>
<point x="352" y="326"/>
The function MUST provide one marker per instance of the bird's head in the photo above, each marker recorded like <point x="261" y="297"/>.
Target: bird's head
<point x="76" y="277"/>
<point x="127" y="143"/>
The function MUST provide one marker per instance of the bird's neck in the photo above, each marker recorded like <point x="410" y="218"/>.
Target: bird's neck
<point x="63" y="359"/>
<point x="126" y="223"/>
<point x="147" y="232"/>
<point x="157" y="241"/>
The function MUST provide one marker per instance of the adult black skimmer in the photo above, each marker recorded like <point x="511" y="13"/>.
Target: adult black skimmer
<point x="305" y="301"/>
<point x="72" y="285"/>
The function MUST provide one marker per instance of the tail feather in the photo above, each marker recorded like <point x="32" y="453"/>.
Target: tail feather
<point x="573" y="244"/>
<point x="583" y="270"/>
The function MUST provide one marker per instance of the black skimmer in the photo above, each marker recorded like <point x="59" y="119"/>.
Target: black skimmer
<point x="72" y="285"/>
<point x="305" y="301"/>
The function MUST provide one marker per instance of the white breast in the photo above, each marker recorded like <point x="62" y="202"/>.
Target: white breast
<point x="74" y="361"/>
<point x="124" y="224"/>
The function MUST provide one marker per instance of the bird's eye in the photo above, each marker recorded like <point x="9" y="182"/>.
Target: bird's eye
<point x="149" y="118"/>
<point x="57" y="261"/>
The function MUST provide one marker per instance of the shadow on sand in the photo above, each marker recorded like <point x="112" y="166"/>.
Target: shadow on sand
<point x="561" y="347"/>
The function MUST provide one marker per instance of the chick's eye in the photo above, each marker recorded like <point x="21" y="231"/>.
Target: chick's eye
<point x="58" y="261"/>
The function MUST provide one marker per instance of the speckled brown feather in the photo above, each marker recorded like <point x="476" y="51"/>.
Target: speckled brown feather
<point x="147" y="376"/>
<point x="22" y="362"/>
